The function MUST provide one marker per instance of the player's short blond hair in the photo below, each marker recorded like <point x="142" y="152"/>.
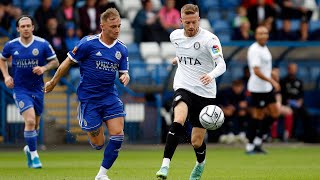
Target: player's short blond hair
<point x="189" y="9"/>
<point x="110" y="13"/>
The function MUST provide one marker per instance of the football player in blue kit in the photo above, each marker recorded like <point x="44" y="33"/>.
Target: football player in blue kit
<point x="31" y="57"/>
<point x="100" y="57"/>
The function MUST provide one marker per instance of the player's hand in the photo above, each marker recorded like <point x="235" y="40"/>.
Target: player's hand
<point x="9" y="82"/>
<point x="174" y="61"/>
<point x="39" y="70"/>
<point x="124" y="79"/>
<point x="276" y="85"/>
<point x="206" y="79"/>
<point x="49" y="86"/>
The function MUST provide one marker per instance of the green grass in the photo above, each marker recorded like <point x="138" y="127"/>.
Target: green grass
<point x="142" y="162"/>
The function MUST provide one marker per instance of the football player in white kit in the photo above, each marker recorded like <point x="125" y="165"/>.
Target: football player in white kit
<point x="200" y="61"/>
<point x="260" y="86"/>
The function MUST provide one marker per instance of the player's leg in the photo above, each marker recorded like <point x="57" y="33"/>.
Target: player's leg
<point x="197" y="140"/>
<point x="30" y="135"/>
<point x="111" y="152"/>
<point x="113" y="116"/>
<point x="271" y="114"/>
<point x="175" y="132"/>
<point x="254" y="124"/>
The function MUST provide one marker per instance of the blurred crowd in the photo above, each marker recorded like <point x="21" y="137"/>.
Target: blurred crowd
<point x="278" y="16"/>
<point x="63" y="22"/>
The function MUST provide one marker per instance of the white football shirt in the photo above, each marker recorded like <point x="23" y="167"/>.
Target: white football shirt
<point x="259" y="56"/>
<point x="197" y="56"/>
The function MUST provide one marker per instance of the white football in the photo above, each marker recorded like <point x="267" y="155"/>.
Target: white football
<point x="211" y="117"/>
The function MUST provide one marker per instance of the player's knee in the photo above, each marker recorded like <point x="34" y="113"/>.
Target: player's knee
<point x="30" y="122"/>
<point x="196" y="143"/>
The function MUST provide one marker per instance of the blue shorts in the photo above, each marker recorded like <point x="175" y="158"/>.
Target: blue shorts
<point x="26" y="100"/>
<point x="92" y="114"/>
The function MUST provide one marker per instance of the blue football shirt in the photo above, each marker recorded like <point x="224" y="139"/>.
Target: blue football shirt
<point x="24" y="58"/>
<point x="99" y="64"/>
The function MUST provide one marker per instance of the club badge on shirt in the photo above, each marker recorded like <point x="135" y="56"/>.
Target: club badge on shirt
<point x="196" y="45"/>
<point x="118" y="55"/>
<point x="35" y="51"/>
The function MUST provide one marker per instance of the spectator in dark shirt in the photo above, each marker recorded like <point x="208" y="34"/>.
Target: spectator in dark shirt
<point x="234" y="105"/>
<point x="259" y="13"/>
<point x="146" y="23"/>
<point x="292" y="95"/>
<point x="41" y="16"/>
<point x="90" y="18"/>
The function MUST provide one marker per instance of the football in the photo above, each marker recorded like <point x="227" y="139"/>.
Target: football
<point x="211" y="117"/>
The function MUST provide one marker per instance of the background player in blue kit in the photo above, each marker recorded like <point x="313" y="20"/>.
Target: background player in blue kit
<point x="100" y="57"/>
<point x="31" y="57"/>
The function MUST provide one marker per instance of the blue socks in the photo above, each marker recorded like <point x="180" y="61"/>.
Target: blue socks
<point x="112" y="150"/>
<point x="31" y="139"/>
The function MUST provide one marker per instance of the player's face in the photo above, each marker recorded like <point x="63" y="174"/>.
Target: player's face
<point x="25" y="28"/>
<point x="262" y="35"/>
<point x="111" y="28"/>
<point x="190" y="24"/>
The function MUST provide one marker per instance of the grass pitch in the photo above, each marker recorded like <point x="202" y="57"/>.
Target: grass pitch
<point x="290" y="162"/>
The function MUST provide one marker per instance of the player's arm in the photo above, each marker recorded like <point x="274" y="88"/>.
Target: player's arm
<point x="61" y="71"/>
<point x="214" y="47"/>
<point x="4" y="69"/>
<point x="52" y="64"/>
<point x="124" y="78"/>
<point x="258" y="73"/>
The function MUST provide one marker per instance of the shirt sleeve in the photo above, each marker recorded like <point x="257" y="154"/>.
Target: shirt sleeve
<point x="49" y="51"/>
<point x="124" y="61"/>
<point x="6" y="52"/>
<point x="79" y="52"/>
<point x="215" y="49"/>
<point x="253" y="57"/>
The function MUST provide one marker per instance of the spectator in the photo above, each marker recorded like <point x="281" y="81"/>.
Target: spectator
<point x="56" y="39"/>
<point x="71" y="38"/>
<point x="71" y="41"/>
<point x="243" y="32"/>
<point x="297" y="9"/>
<point x="68" y="13"/>
<point x="292" y="95"/>
<point x="89" y="15"/>
<point x="103" y="5"/>
<point x="235" y="111"/>
<point x="145" y="24"/>
<point x="41" y="16"/>
<point x="8" y="16"/>
<point x="169" y="18"/>
<point x="240" y="17"/>
<point x="258" y="13"/>
<point x="285" y="111"/>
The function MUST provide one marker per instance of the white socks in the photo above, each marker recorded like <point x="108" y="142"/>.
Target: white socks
<point x="34" y="154"/>
<point x="165" y="162"/>
<point x="249" y="147"/>
<point x="257" y="141"/>
<point x="102" y="171"/>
